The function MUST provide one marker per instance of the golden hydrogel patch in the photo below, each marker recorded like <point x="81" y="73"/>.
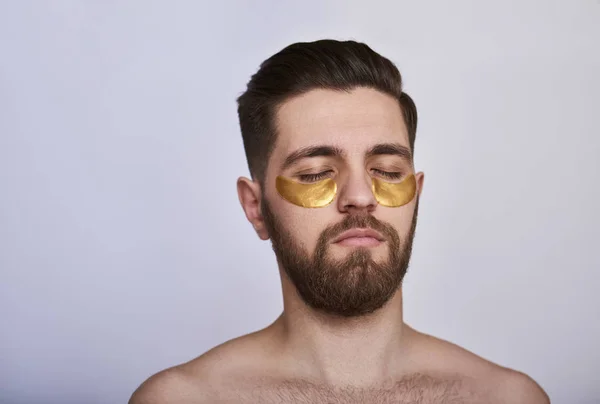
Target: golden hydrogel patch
<point x="322" y="193"/>
<point x="395" y="194"/>
<point x="316" y="195"/>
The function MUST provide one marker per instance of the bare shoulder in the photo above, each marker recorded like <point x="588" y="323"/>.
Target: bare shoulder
<point x="171" y="386"/>
<point x="500" y="383"/>
<point x="518" y="388"/>
<point x="202" y="379"/>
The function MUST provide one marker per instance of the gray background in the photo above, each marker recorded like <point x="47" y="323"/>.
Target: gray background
<point x="124" y="249"/>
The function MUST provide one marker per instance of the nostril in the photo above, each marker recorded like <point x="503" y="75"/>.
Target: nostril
<point x="359" y="208"/>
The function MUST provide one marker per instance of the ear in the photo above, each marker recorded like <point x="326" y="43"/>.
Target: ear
<point x="420" y="177"/>
<point x="249" y="193"/>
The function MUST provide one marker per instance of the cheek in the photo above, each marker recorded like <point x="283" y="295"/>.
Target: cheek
<point x="305" y="224"/>
<point x="400" y="218"/>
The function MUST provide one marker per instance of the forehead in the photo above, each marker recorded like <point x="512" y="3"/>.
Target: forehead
<point x="352" y="121"/>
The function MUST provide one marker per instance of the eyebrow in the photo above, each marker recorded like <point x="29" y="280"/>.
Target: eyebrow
<point x="312" y="151"/>
<point x="394" y="149"/>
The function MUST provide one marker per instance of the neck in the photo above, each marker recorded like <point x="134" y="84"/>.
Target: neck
<point x="342" y="351"/>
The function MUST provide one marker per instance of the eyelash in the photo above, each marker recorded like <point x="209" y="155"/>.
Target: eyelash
<point x="394" y="175"/>
<point x="319" y="176"/>
<point x="314" y="177"/>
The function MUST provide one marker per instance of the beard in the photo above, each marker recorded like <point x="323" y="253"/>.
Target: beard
<point x="350" y="287"/>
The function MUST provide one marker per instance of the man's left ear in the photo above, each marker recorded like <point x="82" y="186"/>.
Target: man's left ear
<point x="249" y="194"/>
<point x="420" y="177"/>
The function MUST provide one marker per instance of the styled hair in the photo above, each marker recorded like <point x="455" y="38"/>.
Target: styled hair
<point x="304" y="66"/>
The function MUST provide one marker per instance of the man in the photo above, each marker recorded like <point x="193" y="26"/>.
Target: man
<point x="329" y="137"/>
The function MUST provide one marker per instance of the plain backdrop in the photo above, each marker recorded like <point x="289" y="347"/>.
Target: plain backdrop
<point x="123" y="248"/>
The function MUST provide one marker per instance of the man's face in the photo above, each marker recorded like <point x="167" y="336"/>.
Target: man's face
<point x="354" y="136"/>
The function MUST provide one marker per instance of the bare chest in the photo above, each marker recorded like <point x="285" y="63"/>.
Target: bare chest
<point x="413" y="390"/>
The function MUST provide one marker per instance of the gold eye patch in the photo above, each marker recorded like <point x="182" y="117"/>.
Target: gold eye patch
<point x="392" y="194"/>
<point x="315" y="195"/>
<point x="322" y="193"/>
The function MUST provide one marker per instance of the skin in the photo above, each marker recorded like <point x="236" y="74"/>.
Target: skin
<point x="310" y="356"/>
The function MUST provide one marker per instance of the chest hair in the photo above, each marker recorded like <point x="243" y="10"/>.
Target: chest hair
<point x="414" y="389"/>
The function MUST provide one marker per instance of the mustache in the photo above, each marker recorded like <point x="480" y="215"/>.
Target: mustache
<point x="364" y="221"/>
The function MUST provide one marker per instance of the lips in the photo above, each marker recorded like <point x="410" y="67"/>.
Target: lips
<point x="359" y="234"/>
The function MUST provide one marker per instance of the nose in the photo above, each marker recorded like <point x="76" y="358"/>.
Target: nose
<point x="356" y="194"/>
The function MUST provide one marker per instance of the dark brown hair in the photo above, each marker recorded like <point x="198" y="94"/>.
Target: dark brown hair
<point x="304" y="66"/>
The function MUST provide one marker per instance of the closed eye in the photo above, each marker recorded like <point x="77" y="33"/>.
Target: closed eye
<point x="390" y="175"/>
<point x="315" y="177"/>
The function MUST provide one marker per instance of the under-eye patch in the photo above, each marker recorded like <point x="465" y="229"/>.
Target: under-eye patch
<point x="314" y="195"/>
<point x="322" y="193"/>
<point x="395" y="194"/>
